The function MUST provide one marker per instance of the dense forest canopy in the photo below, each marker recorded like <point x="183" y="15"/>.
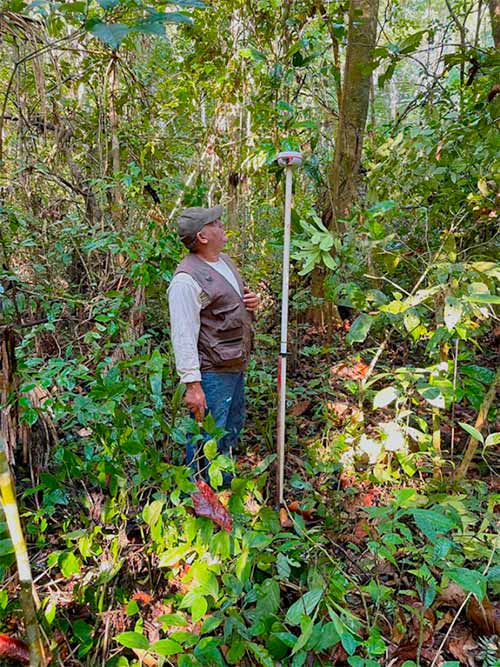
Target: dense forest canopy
<point x="114" y="116"/>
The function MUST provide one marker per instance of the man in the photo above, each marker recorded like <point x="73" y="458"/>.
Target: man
<point x="211" y="328"/>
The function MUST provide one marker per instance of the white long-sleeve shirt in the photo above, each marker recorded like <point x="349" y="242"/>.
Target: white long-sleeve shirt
<point x="185" y="300"/>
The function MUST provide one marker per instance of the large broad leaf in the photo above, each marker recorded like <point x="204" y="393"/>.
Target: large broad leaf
<point x="432" y="395"/>
<point x="385" y="397"/>
<point x="433" y="523"/>
<point x="166" y="647"/>
<point x="261" y="653"/>
<point x="359" y="329"/>
<point x="108" y="4"/>
<point x="112" y="34"/>
<point x="305" y="605"/>
<point x="133" y="640"/>
<point x="484" y="298"/>
<point x="453" y="310"/>
<point x="472" y="431"/>
<point x="470" y="580"/>
<point x="268" y="597"/>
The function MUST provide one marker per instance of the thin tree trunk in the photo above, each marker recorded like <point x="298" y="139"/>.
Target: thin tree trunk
<point x="344" y="175"/>
<point x="494" y="6"/>
<point x="481" y="418"/>
<point x="115" y="140"/>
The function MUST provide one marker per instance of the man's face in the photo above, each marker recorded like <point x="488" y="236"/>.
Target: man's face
<point x="214" y="234"/>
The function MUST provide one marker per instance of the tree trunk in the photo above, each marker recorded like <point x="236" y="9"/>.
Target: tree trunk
<point x="344" y="176"/>
<point x="494" y="6"/>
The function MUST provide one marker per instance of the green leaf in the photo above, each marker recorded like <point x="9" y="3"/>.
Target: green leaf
<point x="108" y="4"/>
<point x="6" y="547"/>
<point x="73" y="7"/>
<point x="166" y="647"/>
<point x="306" y="626"/>
<point x="173" y="556"/>
<point x="236" y="652"/>
<point x="69" y="564"/>
<point x="432" y="395"/>
<point x="210" y="449"/>
<point x="493" y="439"/>
<point x="453" y="311"/>
<point x="152" y="512"/>
<point x="484" y="375"/>
<point x="112" y="34"/>
<point x="328" y="261"/>
<point x="176" y="620"/>
<point x="283" y="566"/>
<point x="385" y="397"/>
<point x="472" y="431"/>
<point x="484" y="298"/>
<point x="262" y="654"/>
<point x="198" y="608"/>
<point x="470" y="580"/>
<point x="359" y="329"/>
<point x="432" y="523"/>
<point x="132" y="640"/>
<point x="304" y="606"/>
<point x="268" y="597"/>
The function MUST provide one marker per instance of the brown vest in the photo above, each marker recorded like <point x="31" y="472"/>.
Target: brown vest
<point x="226" y="337"/>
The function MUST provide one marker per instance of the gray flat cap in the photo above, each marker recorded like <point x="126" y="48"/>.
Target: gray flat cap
<point x="192" y="220"/>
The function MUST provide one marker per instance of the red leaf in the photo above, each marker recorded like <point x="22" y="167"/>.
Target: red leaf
<point x="207" y="504"/>
<point x="14" y="649"/>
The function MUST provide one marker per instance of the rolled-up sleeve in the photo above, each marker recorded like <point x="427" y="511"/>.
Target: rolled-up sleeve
<point x="184" y="300"/>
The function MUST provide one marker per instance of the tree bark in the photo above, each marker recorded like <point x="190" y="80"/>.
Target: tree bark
<point x="344" y="175"/>
<point x="494" y="6"/>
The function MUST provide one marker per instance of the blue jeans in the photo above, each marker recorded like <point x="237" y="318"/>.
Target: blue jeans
<point x="225" y="395"/>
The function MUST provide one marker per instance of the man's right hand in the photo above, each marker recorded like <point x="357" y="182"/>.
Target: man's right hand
<point x="195" y="400"/>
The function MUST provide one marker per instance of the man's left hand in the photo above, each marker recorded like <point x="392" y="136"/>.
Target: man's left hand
<point x="251" y="300"/>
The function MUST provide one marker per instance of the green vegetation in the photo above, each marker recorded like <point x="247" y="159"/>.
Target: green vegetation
<point x="114" y="114"/>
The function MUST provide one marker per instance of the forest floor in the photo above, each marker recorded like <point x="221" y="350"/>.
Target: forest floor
<point x="97" y="555"/>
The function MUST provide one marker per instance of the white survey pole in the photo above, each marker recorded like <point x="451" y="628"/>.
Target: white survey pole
<point x="288" y="159"/>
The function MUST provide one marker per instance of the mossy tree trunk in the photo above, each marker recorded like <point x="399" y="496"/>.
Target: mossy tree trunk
<point x="343" y="176"/>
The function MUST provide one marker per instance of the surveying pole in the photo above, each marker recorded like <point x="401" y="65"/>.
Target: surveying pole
<point x="289" y="160"/>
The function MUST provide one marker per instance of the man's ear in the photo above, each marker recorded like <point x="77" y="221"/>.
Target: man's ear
<point x="201" y="239"/>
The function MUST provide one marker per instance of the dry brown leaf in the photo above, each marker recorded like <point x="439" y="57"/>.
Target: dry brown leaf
<point x="485" y="616"/>
<point x="285" y="521"/>
<point x="350" y="371"/>
<point x="409" y="651"/>
<point x="452" y="596"/>
<point x="146" y="658"/>
<point x="299" y="407"/>
<point x="339" y="409"/>
<point x="463" y="649"/>
<point x="294" y="506"/>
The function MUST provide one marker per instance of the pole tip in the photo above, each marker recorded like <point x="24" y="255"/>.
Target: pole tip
<point x="289" y="158"/>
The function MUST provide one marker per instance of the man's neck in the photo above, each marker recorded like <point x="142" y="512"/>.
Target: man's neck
<point x="208" y="255"/>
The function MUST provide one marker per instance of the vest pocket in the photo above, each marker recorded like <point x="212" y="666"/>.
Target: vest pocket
<point x="229" y="353"/>
<point x="229" y="317"/>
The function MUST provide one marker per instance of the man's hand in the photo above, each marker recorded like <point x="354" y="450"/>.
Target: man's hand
<point x="251" y="300"/>
<point x="195" y="400"/>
